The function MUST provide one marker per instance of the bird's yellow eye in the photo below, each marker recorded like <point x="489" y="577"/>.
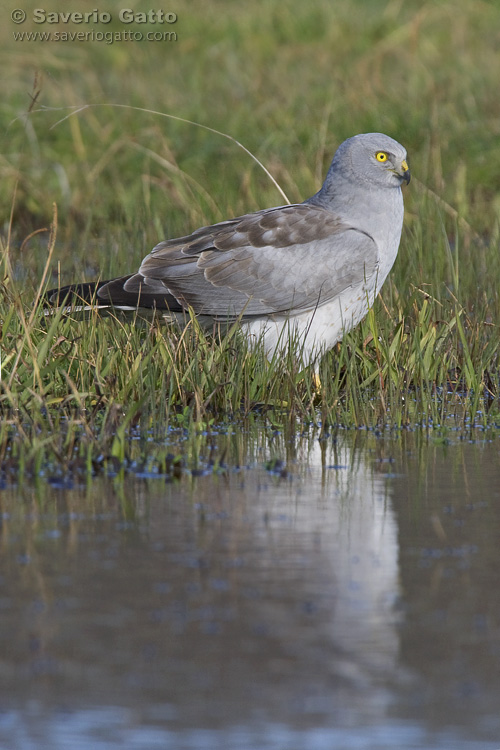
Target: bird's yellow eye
<point x="381" y="156"/>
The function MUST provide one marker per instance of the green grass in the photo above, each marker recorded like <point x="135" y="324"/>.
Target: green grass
<point x="289" y="83"/>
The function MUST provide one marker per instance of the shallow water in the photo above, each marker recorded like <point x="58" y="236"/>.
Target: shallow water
<point x="349" y="598"/>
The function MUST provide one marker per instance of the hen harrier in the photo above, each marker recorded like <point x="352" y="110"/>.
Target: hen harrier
<point x="311" y="270"/>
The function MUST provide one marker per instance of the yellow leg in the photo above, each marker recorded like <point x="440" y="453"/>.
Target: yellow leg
<point x="317" y="381"/>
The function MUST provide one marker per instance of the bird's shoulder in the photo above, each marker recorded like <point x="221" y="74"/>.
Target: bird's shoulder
<point x="281" y="259"/>
<point x="281" y="227"/>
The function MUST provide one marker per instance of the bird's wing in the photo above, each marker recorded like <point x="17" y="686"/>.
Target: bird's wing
<point x="282" y="260"/>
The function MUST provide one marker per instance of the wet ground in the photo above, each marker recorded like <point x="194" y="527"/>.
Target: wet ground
<point x="342" y="593"/>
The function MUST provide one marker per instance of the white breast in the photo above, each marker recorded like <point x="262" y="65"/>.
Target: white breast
<point x="318" y="330"/>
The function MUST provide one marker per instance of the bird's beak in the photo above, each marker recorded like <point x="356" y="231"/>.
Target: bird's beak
<point x="405" y="172"/>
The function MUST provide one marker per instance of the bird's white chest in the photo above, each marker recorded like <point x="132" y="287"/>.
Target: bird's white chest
<point x="315" y="331"/>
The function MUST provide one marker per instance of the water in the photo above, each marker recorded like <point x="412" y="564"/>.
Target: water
<point x="349" y="598"/>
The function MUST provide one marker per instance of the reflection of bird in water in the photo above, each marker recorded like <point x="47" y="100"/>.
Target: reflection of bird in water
<point x="306" y="577"/>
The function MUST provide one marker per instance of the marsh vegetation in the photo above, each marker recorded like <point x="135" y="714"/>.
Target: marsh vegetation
<point x="88" y="190"/>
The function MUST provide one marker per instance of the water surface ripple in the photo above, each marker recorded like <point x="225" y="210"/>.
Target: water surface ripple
<point x="343" y="596"/>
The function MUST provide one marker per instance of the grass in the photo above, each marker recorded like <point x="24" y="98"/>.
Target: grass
<point x="289" y="84"/>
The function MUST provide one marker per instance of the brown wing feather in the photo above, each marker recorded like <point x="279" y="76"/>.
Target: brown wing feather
<point x="255" y="264"/>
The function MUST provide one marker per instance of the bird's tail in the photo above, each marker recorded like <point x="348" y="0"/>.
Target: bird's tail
<point x="106" y="298"/>
<point x="84" y="299"/>
<point x="74" y="295"/>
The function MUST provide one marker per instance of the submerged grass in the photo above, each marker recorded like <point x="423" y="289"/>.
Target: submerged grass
<point x="290" y="85"/>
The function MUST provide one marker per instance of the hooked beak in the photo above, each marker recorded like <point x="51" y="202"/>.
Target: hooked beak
<point x="405" y="173"/>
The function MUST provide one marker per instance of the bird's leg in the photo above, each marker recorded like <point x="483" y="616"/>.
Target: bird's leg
<point x="317" y="381"/>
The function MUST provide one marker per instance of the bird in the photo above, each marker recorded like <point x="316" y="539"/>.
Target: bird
<point x="306" y="271"/>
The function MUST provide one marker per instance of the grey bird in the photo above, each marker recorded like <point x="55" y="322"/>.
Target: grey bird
<point x="309" y="270"/>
